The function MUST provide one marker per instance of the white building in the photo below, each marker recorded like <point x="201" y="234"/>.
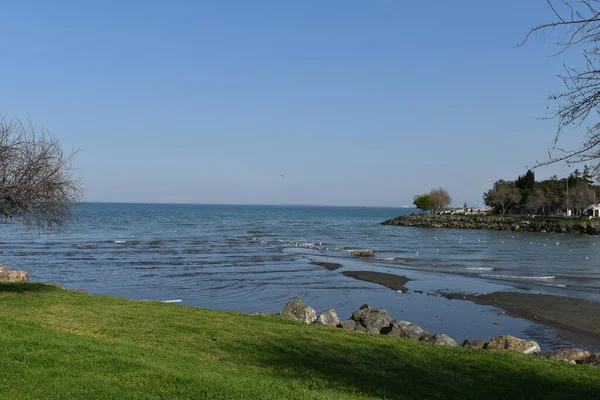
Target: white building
<point x="593" y="210"/>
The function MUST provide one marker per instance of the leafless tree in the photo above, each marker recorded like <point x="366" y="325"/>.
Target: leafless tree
<point x="502" y="196"/>
<point x="537" y="200"/>
<point x="580" y="197"/>
<point x="576" y="25"/>
<point x="440" y="198"/>
<point x="37" y="184"/>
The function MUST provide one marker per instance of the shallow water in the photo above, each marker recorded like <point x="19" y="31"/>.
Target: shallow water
<point x="255" y="258"/>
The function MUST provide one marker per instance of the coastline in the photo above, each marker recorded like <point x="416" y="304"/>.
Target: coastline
<point x="516" y="223"/>
<point x="571" y="314"/>
<point x="392" y="281"/>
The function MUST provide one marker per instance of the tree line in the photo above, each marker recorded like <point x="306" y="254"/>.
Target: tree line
<point x="555" y="195"/>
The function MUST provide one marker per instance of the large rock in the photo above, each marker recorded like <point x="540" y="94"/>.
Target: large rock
<point x="475" y="344"/>
<point x="564" y="354"/>
<point x="442" y="339"/>
<point x="328" y="318"/>
<point x="296" y="310"/>
<point x="511" y="343"/>
<point x="363" y="253"/>
<point x="373" y="319"/>
<point x="593" y="359"/>
<point x="12" y="275"/>
<point x="348" y="324"/>
<point x="405" y="329"/>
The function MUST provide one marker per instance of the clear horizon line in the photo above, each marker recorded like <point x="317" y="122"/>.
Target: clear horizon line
<point x="239" y="204"/>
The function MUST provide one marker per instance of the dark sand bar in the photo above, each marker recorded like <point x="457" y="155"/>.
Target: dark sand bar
<point x="328" y="265"/>
<point x="395" y="282"/>
<point x="575" y="315"/>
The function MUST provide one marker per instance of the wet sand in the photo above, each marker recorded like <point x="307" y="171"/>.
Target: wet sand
<point x="328" y="265"/>
<point x="391" y="281"/>
<point x="574" y="315"/>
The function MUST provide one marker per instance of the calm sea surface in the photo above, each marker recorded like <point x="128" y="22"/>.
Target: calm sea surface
<point x="256" y="258"/>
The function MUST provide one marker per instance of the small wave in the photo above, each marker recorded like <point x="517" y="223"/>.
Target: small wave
<point x="480" y="269"/>
<point x="84" y="246"/>
<point x="404" y="259"/>
<point x="196" y="251"/>
<point x="346" y="249"/>
<point x="553" y="285"/>
<point x="303" y="245"/>
<point x="518" y="277"/>
<point x="119" y="241"/>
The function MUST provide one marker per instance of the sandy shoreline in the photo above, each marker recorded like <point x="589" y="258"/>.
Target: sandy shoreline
<point x="395" y="282"/>
<point x="572" y="314"/>
<point x="330" y="266"/>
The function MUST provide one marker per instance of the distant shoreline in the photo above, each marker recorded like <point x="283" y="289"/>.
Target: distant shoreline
<point x="516" y="223"/>
<point x="242" y="204"/>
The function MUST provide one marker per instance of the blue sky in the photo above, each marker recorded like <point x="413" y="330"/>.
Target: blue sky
<point x="354" y="102"/>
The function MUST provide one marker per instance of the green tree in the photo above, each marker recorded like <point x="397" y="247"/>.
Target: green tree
<point x="423" y="202"/>
<point x="525" y="183"/>
<point x="587" y="175"/>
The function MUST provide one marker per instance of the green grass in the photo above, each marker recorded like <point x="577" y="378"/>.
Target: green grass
<point x="56" y="344"/>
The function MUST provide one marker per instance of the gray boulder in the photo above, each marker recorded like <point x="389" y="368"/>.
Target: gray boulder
<point x="442" y="339"/>
<point x="348" y="324"/>
<point x="405" y="329"/>
<point x="373" y="319"/>
<point x="593" y="359"/>
<point x="296" y="310"/>
<point x="363" y="253"/>
<point x="564" y="354"/>
<point x="328" y="318"/>
<point x="475" y="344"/>
<point x="360" y="328"/>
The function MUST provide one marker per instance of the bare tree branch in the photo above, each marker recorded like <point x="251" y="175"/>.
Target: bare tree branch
<point x="578" y="105"/>
<point x="37" y="187"/>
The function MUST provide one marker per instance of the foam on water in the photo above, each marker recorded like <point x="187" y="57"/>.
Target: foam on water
<point x="518" y="277"/>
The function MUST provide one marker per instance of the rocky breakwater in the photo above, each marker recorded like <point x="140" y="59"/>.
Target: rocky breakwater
<point x="507" y="223"/>
<point x="378" y="321"/>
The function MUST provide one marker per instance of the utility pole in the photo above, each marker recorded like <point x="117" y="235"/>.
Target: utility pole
<point x="567" y="196"/>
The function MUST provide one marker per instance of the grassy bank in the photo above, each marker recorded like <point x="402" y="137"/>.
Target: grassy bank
<point x="60" y="344"/>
